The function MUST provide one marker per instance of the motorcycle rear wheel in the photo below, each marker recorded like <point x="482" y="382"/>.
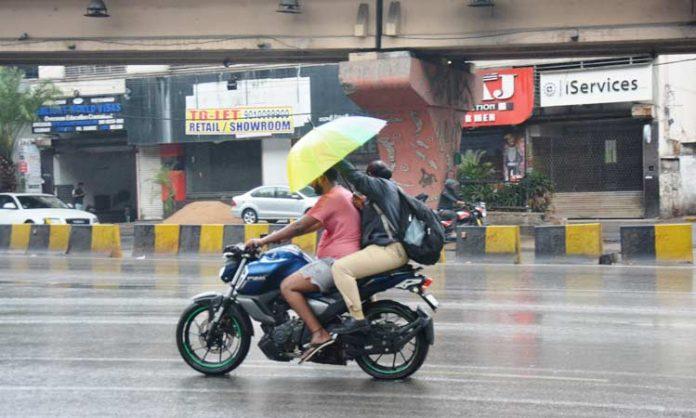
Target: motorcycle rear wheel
<point x="233" y="342"/>
<point x="403" y="364"/>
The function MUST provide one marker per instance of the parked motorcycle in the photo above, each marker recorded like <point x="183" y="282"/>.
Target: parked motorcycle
<point x="468" y="215"/>
<point x="214" y="333"/>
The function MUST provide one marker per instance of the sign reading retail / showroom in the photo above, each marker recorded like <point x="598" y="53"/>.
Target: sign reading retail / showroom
<point x="605" y="85"/>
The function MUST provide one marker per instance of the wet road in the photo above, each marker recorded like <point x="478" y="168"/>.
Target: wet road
<point x="96" y="337"/>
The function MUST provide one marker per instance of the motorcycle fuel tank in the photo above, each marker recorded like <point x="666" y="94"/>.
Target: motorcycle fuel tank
<point x="265" y="274"/>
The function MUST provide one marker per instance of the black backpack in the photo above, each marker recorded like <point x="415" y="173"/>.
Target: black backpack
<point x="418" y="229"/>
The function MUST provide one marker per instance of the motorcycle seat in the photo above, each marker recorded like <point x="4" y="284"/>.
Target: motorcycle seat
<point x="408" y="268"/>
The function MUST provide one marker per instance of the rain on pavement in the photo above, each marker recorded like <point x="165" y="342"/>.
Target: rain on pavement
<point x="83" y="336"/>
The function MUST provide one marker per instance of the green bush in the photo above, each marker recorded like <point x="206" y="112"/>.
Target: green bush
<point x="472" y="169"/>
<point x="535" y="190"/>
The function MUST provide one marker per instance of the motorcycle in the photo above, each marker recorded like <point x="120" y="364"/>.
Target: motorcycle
<point x="470" y="215"/>
<point x="214" y="333"/>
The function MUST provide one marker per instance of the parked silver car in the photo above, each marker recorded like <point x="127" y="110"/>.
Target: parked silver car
<point x="273" y="203"/>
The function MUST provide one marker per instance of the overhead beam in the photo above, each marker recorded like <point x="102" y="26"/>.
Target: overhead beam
<point x="251" y="31"/>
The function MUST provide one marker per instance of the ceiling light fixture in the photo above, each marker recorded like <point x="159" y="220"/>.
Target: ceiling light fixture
<point x="96" y="8"/>
<point x="481" y="3"/>
<point x="289" y="6"/>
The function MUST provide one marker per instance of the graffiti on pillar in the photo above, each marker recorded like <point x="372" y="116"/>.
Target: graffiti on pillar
<point x="417" y="121"/>
<point x="450" y="86"/>
<point x="427" y="179"/>
<point x="388" y="145"/>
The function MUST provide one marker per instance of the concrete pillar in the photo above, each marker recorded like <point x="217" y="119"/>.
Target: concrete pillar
<point x="423" y="103"/>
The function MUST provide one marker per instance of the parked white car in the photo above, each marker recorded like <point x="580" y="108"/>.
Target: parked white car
<point x="29" y="208"/>
<point x="273" y="203"/>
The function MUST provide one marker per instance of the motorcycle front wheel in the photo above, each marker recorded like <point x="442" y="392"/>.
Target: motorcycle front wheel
<point x="211" y="354"/>
<point x="392" y="366"/>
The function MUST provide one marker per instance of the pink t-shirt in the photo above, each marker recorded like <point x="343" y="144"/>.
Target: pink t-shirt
<point x="341" y="221"/>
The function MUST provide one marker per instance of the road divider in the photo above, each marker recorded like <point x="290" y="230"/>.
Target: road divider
<point x="496" y="243"/>
<point x="569" y="243"/>
<point x="170" y="239"/>
<point x="662" y="244"/>
<point x="97" y="239"/>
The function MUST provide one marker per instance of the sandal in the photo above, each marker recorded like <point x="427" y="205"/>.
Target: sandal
<point x="314" y="348"/>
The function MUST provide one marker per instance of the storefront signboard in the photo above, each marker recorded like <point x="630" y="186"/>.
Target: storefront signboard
<point x="250" y="108"/>
<point x="240" y="121"/>
<point x="507" y="98"/>
<point x="79" y="114"/>
<point x="601" y="85"/>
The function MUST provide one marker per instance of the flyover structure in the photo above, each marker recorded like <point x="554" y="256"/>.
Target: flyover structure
<point x="176" y="31"/>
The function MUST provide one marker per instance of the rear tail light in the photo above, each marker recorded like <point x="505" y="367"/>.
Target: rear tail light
<point x="426" y="283"/>
<point x="233" y="202"/>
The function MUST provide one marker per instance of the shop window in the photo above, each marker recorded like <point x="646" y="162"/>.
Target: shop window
<point x="502" y="149"/>
<point x="610" y="155"/>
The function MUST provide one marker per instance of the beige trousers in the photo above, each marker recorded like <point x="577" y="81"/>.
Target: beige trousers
<point x="371" y="260"/>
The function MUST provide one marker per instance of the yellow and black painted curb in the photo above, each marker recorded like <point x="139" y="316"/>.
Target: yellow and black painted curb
<point x="102" y="239"/>
<point x="171" y="239"/>
<point x="489" y="243"/>
<point x="661" y="243"/>
<point x="568" y="242"/>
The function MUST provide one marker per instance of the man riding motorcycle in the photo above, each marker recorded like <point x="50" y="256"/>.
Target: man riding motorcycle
<point x="381" y="251"/>
<point x="335" y="212"/>
<point x="449" y="200"/>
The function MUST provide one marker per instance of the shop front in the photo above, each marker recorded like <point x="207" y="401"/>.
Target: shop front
<point x="589" y="133"/>
<point x="592" y="139"/>
<point x="87" y="143"/>
<point x="493" y="132"/>
<point x="229" y="132"/>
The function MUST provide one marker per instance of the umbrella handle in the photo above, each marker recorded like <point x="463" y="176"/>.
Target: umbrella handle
<point x="350" y="186"/>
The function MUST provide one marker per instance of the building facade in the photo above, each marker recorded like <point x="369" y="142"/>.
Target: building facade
<point x="615" y="135"/>
<point x="227" y="131"/>
<point x="612" y="134"/>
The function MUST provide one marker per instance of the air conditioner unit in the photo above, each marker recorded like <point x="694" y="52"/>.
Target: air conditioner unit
<point x="481" y="3"/>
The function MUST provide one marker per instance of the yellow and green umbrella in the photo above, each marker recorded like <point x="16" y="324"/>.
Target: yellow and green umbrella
<point x="326" y="145"/>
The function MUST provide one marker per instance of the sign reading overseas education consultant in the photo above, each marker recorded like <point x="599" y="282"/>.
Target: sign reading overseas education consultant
<point x="240" y="121"/>
<point x="79" y="114"/>
<point x="602" y="85"/>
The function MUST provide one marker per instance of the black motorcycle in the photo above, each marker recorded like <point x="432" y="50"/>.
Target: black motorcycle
<point x="214" y="333"/>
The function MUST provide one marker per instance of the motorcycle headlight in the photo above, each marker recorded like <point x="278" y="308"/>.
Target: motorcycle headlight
<point x="228" y="271"/>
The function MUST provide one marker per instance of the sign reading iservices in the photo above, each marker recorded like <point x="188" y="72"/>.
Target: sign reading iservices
<point x="602" y="85"/>
<point x="240" y="121"/>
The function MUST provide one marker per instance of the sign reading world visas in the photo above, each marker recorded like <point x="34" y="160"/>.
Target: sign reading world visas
<point x="243" y="121"/>
<point x="80" y="114"/>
